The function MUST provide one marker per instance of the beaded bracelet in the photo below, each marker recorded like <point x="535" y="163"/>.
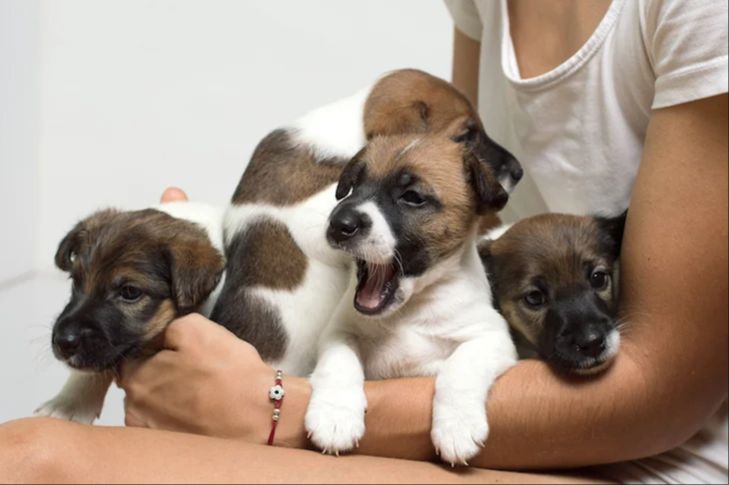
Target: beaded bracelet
<point x="276" y="394"/>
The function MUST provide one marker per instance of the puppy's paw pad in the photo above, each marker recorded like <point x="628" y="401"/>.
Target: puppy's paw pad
<point x="459" y="432"/>
<point x="336" y="425"/>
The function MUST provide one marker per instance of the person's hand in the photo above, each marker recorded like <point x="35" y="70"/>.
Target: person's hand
<point x="207" y="381"/>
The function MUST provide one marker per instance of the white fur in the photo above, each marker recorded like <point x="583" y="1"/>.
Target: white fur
<point x="304" y="311"/>
<point x="82" y="396"/>
<point x="447" y="328"/>
<point x="334" y="130"/>
<point x="379" y="244"/>
<point x="497" y="232"/>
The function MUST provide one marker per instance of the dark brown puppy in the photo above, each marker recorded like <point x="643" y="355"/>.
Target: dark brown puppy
<point x="554" y="279"/>
<point x="133" y="273"/>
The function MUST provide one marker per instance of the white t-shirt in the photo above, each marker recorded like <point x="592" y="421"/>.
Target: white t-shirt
<point x="579" y="129"/>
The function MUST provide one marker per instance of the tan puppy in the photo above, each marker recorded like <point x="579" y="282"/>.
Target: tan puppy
<point x="554" y="278"/>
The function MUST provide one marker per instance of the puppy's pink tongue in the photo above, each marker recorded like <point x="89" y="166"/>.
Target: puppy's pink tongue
<point x="372" y="292"/>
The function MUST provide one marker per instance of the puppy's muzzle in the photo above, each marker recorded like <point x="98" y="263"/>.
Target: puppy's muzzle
<point x="588" y="341"/>
<point x="346" y="223"/>
<point x="72" y="338"/>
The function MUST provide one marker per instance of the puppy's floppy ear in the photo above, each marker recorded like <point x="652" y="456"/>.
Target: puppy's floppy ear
<point x="490" y="195"/>
<point x="350" y="175"/>
<point x="68" y="248"/>
<point x="195" y="269"/>
<point x="612" y="229"/>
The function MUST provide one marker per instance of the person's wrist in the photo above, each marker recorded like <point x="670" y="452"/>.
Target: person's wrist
<point x="290" y="431"/>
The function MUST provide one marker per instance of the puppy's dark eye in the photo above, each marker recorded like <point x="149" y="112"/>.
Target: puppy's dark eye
<point x="599" y="279"/>
<point x="130" y="293"/>
<point x="412" y="198"/>
<point x="535" y="299"/>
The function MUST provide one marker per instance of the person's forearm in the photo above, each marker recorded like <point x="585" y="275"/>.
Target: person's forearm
<point x="537" y="420"/>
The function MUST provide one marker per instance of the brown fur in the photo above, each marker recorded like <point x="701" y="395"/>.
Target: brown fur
<point x="272" y="257"/>
<point x="282" y="173"/>
<point x="442" y="167"/>
<point x="557" y="249"/>
<point x="410" y="101"/>
<point x="162" y="317"/>
<point x="171" y="259"/>
<point x="407" y="101"/>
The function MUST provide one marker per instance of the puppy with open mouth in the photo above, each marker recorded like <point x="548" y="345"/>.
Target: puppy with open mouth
<point x="408" y="215"/>
<point x="554" y="278"/>
<point x="133" y="272"/>
<point x="283" y="280"/>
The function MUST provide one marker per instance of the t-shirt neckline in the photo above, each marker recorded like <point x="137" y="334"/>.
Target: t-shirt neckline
<point x="510" y="64"/>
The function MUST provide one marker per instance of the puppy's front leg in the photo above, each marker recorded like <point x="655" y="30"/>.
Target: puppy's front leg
<point x="459" y="426"/>
<point x="335" y="417"/>
<point x="80" y="399"/>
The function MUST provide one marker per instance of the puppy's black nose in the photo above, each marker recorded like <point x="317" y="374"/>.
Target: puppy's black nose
<point x="67" y="342"/>
<point x="590" y="343"/>
<point x="345" y="223"/>
<point x="515" y="170"/>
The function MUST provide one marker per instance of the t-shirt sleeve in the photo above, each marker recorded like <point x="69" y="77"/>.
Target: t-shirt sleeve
<point x="686" y="42"/>
<point x="465" y="15"/>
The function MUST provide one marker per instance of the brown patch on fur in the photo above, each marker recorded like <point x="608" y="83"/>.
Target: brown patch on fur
<point x="272" y="258"/>
<point x="558" y="250"/>
<point x="283" y="173"/>
<point x="411" y="101"/>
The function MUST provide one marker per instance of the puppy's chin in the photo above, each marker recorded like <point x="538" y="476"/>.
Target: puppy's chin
<point x="105" y="359"/>
<point x="96" y="363"/>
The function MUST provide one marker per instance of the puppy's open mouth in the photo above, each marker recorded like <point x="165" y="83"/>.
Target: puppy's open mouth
<point x="376" y="287"/>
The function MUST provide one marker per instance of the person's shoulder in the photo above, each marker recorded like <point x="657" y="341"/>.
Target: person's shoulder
<point x="686" y="43"/>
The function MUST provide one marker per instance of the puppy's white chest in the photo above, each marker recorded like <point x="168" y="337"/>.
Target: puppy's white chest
<point x="405" y="352"/>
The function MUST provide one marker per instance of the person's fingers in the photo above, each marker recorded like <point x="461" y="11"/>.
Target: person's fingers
<point x="173" y="194"/>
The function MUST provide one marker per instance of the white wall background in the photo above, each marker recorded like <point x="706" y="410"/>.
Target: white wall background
<point x="106" y="102"/>
<point x="19" y="110"/>
<point x="139" y="94"/>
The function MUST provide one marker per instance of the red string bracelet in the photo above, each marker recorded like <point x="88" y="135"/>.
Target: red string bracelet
<point x="276" y="394"/>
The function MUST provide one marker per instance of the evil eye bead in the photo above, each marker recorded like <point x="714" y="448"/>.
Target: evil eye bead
<point x="276" y="393"/>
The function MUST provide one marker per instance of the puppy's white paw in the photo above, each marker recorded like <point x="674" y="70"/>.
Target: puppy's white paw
<point x="335" y="418"/>
<point x="69" y="410"/>
<point x="459" y="429"/>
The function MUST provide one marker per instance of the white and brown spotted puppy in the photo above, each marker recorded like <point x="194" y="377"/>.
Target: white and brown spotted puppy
<point x="409" y="217"/>
<point x="283" y="279"/>
<point x="554" y="278"/>
<point x="133" y="272"/>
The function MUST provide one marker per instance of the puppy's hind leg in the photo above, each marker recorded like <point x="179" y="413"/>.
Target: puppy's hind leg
<point x="81" y="398"/>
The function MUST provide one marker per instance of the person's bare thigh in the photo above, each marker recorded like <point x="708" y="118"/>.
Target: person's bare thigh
<point x="46" y="450"/>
